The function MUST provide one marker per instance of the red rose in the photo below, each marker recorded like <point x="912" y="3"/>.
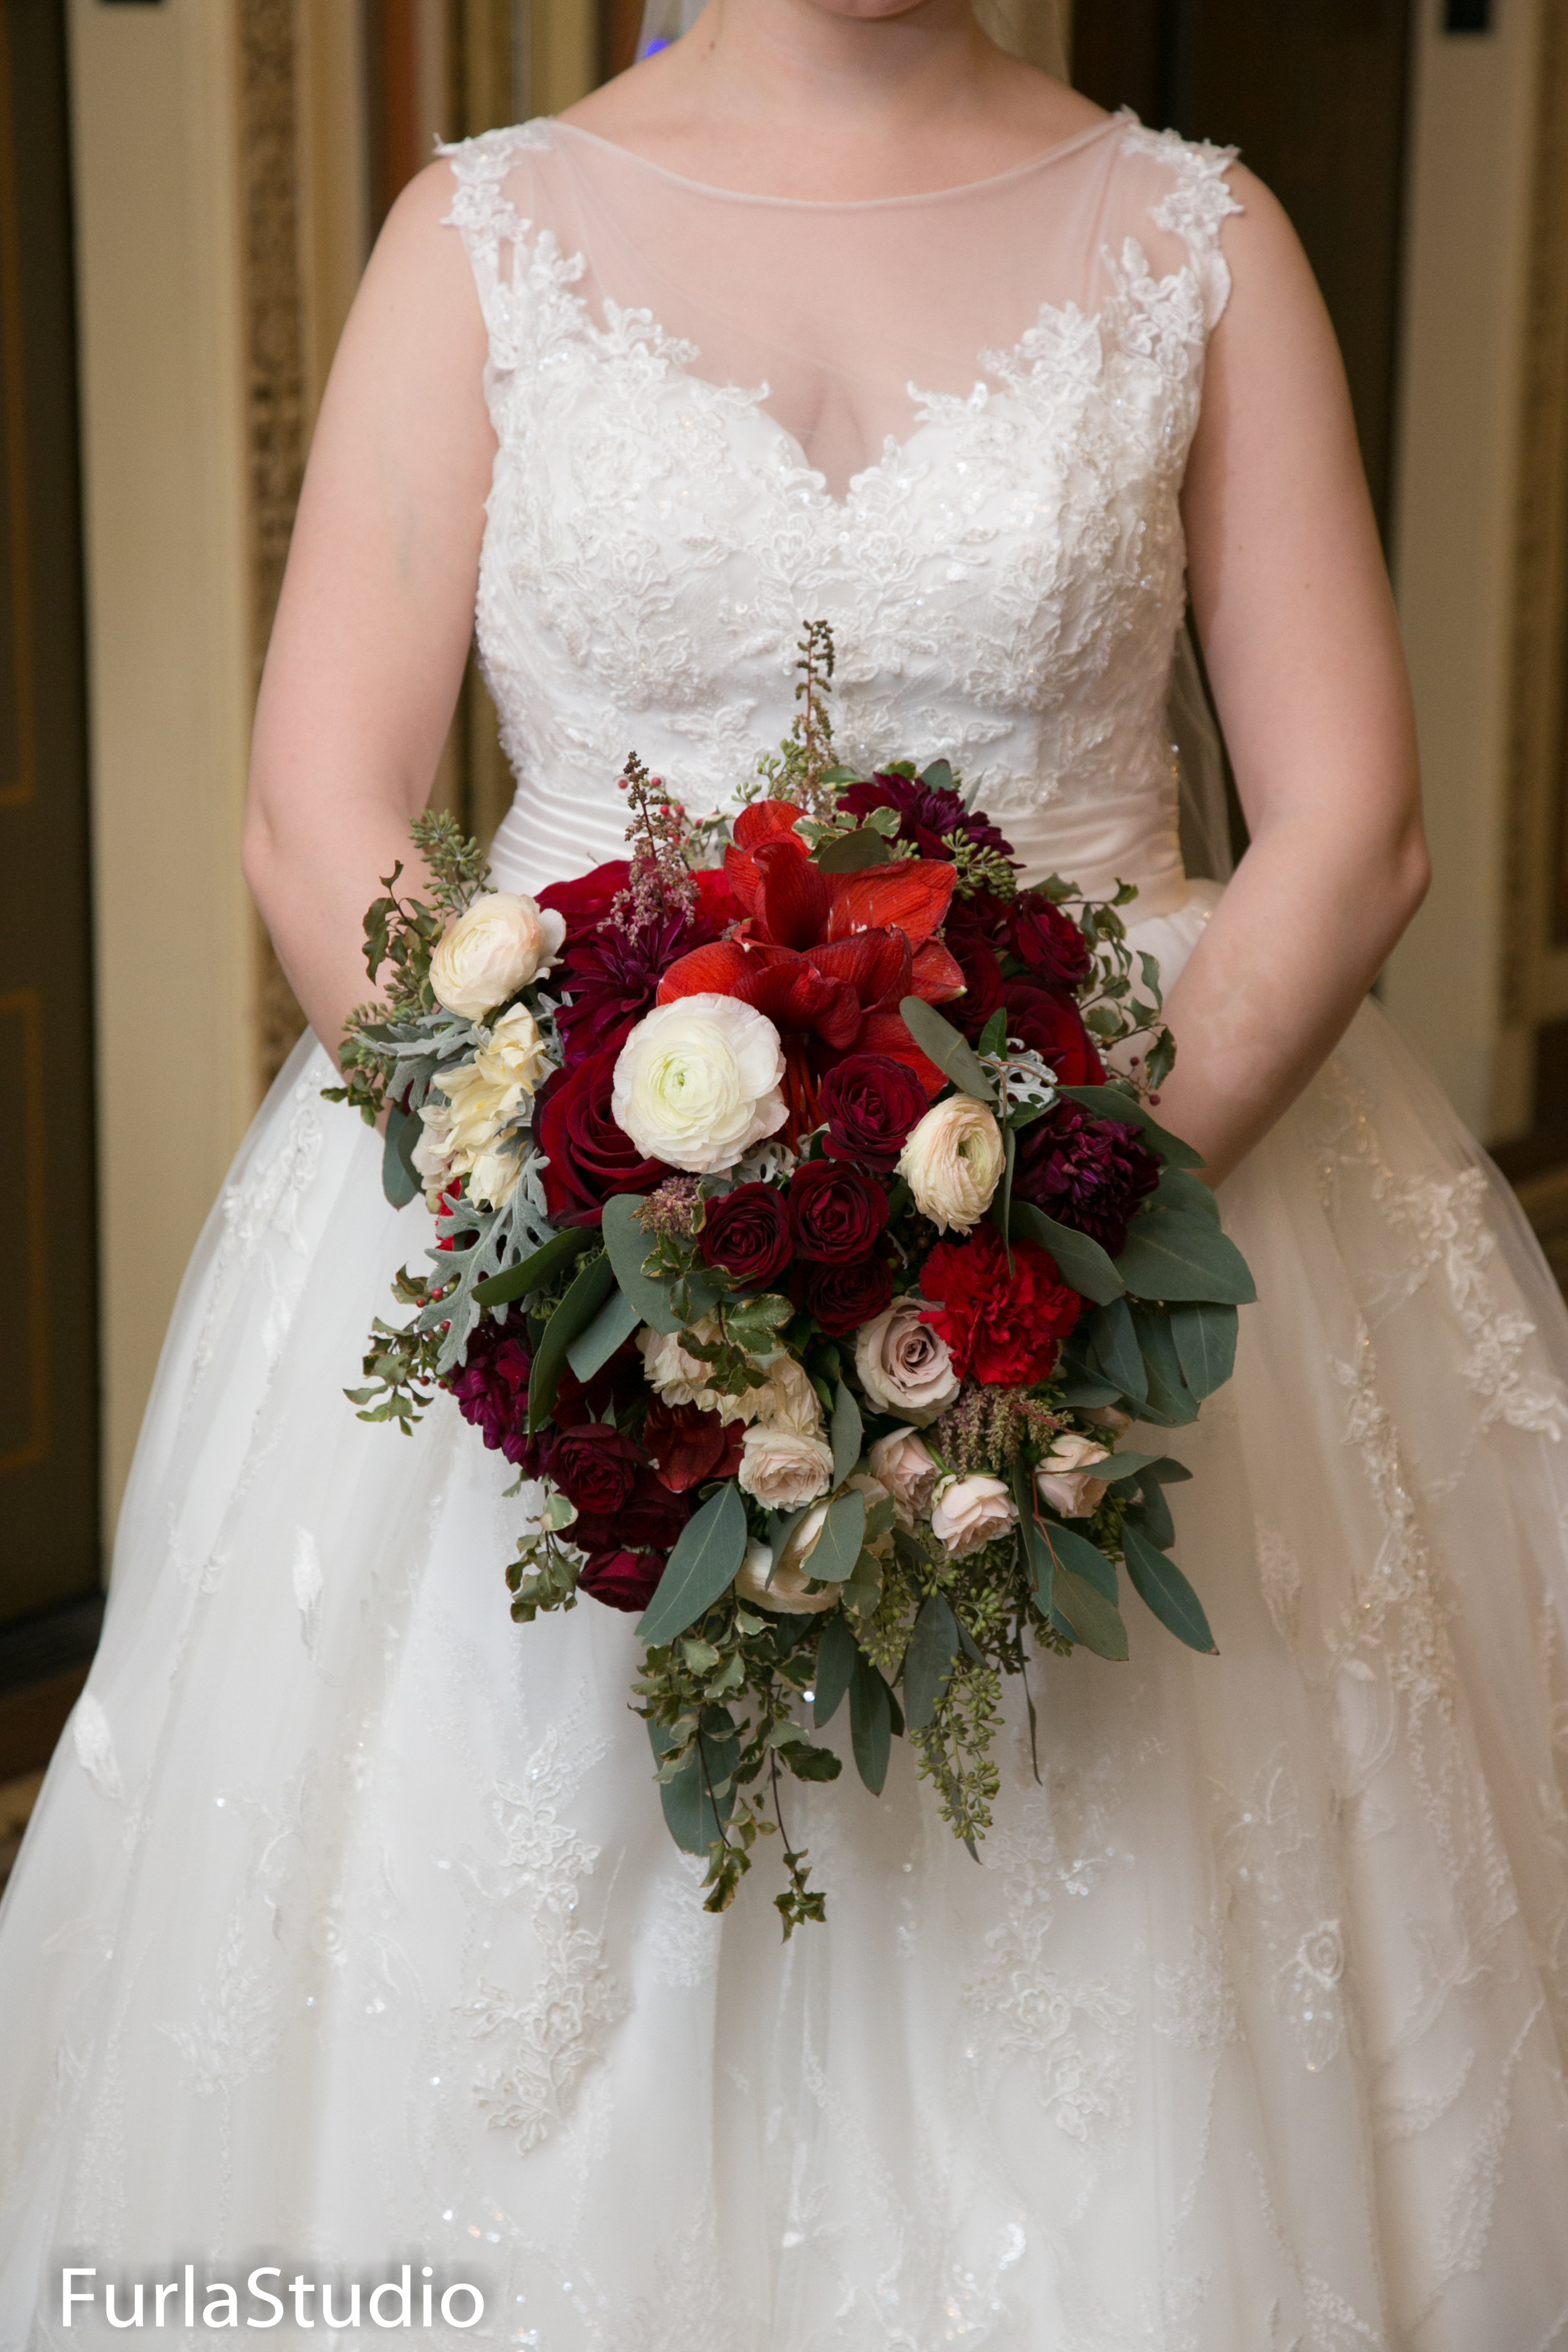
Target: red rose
<point x="842" y="1298"/>
<point x="1052" y="1024"/>
<point x="590" y="1158"/>
<point x="981" y="983"/>
<point x="585" y="903"/>
<point x="648" y="1520"/>
<point x="623" y="1580"/>
<point x="836" y="1214"/>
<point x="747" y="1233"/>
<point x="595" y="1466"/>
<point x="1002" y="1328"/>
<point x="687" y="1446"/>
<point x="871" y="1102"/>
<point x="1049" y="941"/>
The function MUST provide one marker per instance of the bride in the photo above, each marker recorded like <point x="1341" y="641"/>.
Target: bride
<point x="347" y="1944"/>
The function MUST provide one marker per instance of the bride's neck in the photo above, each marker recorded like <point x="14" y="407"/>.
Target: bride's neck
<point x="799" y="98"/>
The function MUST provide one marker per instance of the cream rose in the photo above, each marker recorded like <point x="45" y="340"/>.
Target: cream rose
<point x="904" y="1365"/>
<point x="903" y="1463"/>
<point x="952" y="1162"/>
<point x="697" y="1083"/>
<point x="785" y="1467"/>
<point x="498" y="944"/>
<point x="971" y="1512"/>
<point x="679" y="1377"/>
<point x="788" y="1592"/>
<point x="1064" y="1478"/>
<point x="785" y="1400"/>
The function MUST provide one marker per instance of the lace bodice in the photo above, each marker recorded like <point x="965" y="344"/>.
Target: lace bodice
<point x="677" y="374"/>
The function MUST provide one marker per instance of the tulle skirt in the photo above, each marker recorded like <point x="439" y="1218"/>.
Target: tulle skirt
<point x="348" y="1936"/>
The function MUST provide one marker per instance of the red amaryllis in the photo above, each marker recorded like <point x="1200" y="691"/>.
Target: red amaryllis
<point x="747" y="1233"/>
<point x="595" y="1467"/>
<point x="871" y="1102"/>
<point x="836" y="1213"/>
<point x="621" y="1579"/>
<point x="1048" y="942"/>
<point x="1003" y="1328"/>
<point x="584" y="904"/>
<point x="842" y="1298"/>
<point x="648" y="1519"/>
<point x="1089" y="1173"/>
<point x="687" y="1446"/>
<point x="1051" y="1022"/>
<point x="590" y="1158"/>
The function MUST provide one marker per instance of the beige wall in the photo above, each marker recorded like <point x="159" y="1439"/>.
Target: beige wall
<point x="1453" y="540"/>
<point x="169" y="658"/>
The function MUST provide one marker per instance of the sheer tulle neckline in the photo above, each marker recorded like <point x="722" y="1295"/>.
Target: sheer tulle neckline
<point x="994" y="180"/>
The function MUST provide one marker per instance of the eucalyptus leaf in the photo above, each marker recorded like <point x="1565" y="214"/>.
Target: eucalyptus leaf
<point x="1081" y="1389"/>
<point x="1109" y="1342"/>
<point x="1179" y="1189"/>
<point x="693" y="1820"/>
<point x="709" y="1550"/>
<point x="1084" y="1560"/>
<point x="1170" y="1401"/>
<point x="871" y="1723"/>
<point x="953" y="1054"/>
<point x="833" y="1556"/>
<point x="847" y="1434"/>
<point x="851" y="853"/>
<point x="1037" y="1556"/>
<point x="628" y="1245"/>
<point x="569" y="1320"/>
<point x="1153" y="1514"/>
<point x="1204" y="1338"/>
<point x="1172" y="1255"/>
<point x="1128" y="1465"/>
<point x="994" y="1037"/>
<point x="531" y="1274"/>
<point x="782" y="1525"/>
<point x="1084" y="1267"/>
<point x="400" y="1180"/>
<point x="1160" y="1584"/>
<point x="938" y="777"/>
<point x="934" y="1646"/>
<point x="836" y="1655"/>
<point x="611" y="1328"/>
<point x="1109" y="1102"/>
<point x="1095" y="1621"/>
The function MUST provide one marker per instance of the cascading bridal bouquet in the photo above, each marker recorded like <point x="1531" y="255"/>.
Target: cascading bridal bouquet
<point x="818" y="1314"/>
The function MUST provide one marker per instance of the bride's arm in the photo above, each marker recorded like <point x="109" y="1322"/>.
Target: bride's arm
<point x="1298" y="628"/>
<point x="372" y="627"/>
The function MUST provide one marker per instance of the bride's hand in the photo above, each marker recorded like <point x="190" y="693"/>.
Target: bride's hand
<point x="1298" y="628"/>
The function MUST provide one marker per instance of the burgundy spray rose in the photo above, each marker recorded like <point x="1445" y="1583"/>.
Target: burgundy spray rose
<point x="970" y="941"/>
<point x="871" y="1103"/>
<point x="621" y="1579"/>
<point x="1087" y="1172"/>
<point x="842" y="1298"/>
<point x="590" y="1157"/>
<point x="595" y="1466"/>
<point x="1049" y="941"/>
<point x="649" y="1520"/>
<point x="687" y="1446"/>
<point x="1051" y="1022"/>
<point x="837" y="1213"/>
<point x="747" y="1233"/>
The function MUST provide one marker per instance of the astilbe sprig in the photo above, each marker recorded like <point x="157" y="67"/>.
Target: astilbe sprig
<point x="658" y="834"/>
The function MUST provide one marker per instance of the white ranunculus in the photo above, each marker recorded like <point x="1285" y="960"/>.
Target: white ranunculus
<point x="970" y="1513"/>
<point x="496" y="945"/>
<point x="784" y="1468"/>
<point x="903" y="1463"/>
<point x="904" y="1365"/>
<point x="1063" y="1478"/>
<point x="698" y="1082"/>
<point x="788" y="1592"/>
<point x="952" y="1162"/>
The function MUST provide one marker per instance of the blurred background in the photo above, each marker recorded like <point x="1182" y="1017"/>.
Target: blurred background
<point x="188" y="191"/>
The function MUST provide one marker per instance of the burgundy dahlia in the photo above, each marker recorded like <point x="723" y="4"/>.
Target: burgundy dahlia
<point x="612" y="978"/>
<point x="1087" y="1172"/>
<point x="928" y="814"/>
<point x="492" y="1389"/>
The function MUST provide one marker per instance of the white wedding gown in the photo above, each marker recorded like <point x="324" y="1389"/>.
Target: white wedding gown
<point x="348" y="1924"/>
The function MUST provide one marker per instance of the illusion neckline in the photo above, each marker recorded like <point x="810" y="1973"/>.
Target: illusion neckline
<point x="1064" y="147"/>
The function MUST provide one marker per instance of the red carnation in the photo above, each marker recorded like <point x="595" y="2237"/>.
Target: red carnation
<point x="1049" y="941"/>
<point x="842" y="1298"/>
<point x="687" y="1446"/>
<point x="623" y="1580"/>
<point x="595" y="1466"/>
<point x="837" y="1213"/>
<point x="590" y="1158"/>
<point x="1003" y="1329"/>
<point x="747" y="1233"/>
<point x="871" y="1103"/>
